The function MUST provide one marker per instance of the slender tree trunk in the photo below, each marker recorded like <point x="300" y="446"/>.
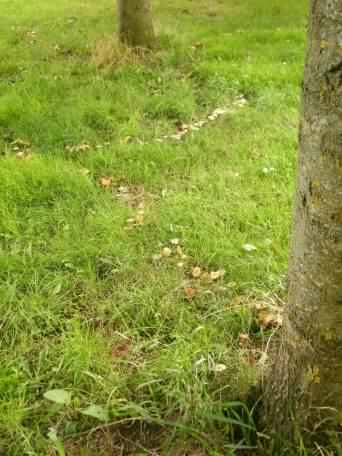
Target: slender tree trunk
<point x="135" y="23"/>
<point x="306" y="380"/>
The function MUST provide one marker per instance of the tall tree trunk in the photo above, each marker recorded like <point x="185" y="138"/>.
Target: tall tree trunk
<point x="306" y="379"/>
<point x="135" y="23"/>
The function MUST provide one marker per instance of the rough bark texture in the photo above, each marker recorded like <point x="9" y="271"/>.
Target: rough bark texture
<point x="135" y="23"/>
<point x="306" y="379"/>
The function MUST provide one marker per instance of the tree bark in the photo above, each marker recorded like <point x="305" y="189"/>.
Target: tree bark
<point x="305" y="385"/>
<point x="135" y="23"/>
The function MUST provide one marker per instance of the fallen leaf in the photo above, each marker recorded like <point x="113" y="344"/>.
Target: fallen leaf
<point x="134" y="196"/>
<point x="121" y="351"/>
<point x="78" y="147"/>
<point x="52" y="435"/>
<point x="215" y="275"/>
<point x="268" y="319"/>
<point x="184" y="129"/>
<point x="83" y="147"/>
<point x="190" y="293"/>
<point x="123" y="189"/>
<point x="59" y="396"/>
<point x="106" y="181"/>
<point x="96" y="411"/>
<point x="139" y="219"/>
<point x="196" y="272"/>
<point x="179" y="251"/>
<point x="219" y="368"/>
<point x="166" y="252"/>
<point x="23" y="156"/>
<point x="177" y="136"/>
<point x="249" y="247"/>
<point x="201" y="123"/>
<point x="244" y="340"/>
<point x="220" y="111"/>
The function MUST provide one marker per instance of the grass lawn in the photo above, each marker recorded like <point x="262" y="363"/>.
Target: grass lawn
<point x="110" y="226"/>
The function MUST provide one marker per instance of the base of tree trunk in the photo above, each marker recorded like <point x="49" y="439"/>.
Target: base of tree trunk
<point x="304" y="390"/>
<point x="135" y="23"/>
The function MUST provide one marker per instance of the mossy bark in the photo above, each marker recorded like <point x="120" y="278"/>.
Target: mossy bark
<point x="305" y="385"/>
<point x="135" y="23"/>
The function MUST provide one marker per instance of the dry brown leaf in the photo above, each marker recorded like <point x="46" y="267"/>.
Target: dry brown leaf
<point x="267" y="319"/>
<point x="121" y="351"/>
<point x="190" y="292"/>
<point x="106" y="181"/>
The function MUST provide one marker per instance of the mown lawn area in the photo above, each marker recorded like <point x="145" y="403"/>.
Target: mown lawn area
<point x="114" y="233"/>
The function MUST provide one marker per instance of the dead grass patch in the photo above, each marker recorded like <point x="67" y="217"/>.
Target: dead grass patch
<point x="124" y="440"/>
<point x="108" y="53"/>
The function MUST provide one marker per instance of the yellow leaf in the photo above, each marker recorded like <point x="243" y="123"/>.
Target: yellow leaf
<point x="106" y="181"/>
<point x="196" y="272"/>
<point x="166" y="252"/>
